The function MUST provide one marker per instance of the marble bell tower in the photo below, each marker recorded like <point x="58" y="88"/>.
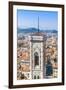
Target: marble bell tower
<point x="37" y="55"/>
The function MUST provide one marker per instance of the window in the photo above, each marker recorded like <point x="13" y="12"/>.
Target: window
<point x="34" y="77"/>
<point x="36" y="58"/>
<point x="38" y="77"/>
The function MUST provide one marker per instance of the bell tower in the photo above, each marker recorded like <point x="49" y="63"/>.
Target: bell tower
<point x="37" y="55"/>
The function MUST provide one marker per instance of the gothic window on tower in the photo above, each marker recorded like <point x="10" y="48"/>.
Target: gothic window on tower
<point x="34" y="77"/>
<point x="36" y="58"/>
<point x="38" y="77"/>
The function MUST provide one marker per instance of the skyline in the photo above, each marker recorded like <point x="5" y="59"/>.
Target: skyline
<point x="48" y="20"/>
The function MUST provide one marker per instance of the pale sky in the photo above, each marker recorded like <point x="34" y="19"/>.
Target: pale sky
<point x="29" y="19"/>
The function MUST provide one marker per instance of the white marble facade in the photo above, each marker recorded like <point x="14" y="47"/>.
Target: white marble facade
<point x="36" y="56"/>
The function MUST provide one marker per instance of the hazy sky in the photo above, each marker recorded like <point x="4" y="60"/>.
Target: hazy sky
<point x="29" y="18"/>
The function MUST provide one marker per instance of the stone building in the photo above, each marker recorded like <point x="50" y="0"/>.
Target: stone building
<point x="37" y="55"/>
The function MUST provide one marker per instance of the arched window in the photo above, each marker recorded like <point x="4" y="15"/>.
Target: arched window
<point x="36" y="58"/>
<point x="34" y="77"/>
<point x="38" y="77"/>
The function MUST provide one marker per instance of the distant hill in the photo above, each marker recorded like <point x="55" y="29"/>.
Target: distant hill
<point x="32" y="30"/>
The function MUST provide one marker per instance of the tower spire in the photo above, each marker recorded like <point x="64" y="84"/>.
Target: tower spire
<point x="38" y="23"/>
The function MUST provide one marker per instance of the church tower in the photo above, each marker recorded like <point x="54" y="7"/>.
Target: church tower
<point x="37" y="55"/>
